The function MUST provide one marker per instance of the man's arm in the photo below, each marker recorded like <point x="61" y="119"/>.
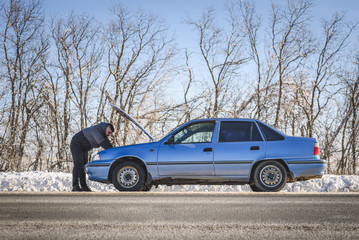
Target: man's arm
<point x="106" y="144"/>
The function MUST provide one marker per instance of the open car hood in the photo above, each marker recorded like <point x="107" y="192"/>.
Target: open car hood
<point x="126" y="115"/>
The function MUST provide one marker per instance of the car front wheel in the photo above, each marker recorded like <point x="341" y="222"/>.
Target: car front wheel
<point x="147" y="188"/>
<point x="269" y="176"/>
<point x="128" y="176"/>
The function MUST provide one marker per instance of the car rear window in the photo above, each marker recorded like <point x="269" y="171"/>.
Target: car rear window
<point x="235" y="131"/>
<point x="270" y="134"/>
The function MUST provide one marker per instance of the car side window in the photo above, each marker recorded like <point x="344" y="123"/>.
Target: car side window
<point x="201" y="132"/>
<point x="270" y="134"/>
<point x="238" y="131"/>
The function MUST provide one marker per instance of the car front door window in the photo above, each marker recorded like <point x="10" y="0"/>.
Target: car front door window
<point x="195" y="133"/>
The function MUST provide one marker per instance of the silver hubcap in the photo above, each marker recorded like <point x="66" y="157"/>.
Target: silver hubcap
<point x="128" y="177"/>
<point x="271" y="176"/>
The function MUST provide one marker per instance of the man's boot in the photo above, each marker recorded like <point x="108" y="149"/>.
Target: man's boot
<point x="86" y="189"/>
<point x="76" y="188"/>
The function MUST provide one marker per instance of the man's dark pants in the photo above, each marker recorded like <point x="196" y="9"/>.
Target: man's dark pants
<point x="79" y="149"/>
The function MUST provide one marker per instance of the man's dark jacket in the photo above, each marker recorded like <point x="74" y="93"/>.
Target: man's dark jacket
<point x="96" y="135"/>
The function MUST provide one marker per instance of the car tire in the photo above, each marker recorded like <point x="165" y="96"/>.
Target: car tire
<point x="269" y="176"/>
<point x="128" y="176"/>
<point x="147" y="188"/>
<point x="254" y="187"/>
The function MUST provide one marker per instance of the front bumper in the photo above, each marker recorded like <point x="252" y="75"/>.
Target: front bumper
<point x="98" y="170"/>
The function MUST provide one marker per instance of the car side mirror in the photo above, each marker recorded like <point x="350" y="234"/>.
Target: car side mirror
<point x="170" y="141"/>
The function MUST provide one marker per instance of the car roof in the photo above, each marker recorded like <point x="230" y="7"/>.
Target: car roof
<point x="224" y="119"/>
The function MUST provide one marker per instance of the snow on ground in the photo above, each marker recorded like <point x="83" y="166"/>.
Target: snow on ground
<point x="54" y="182"/>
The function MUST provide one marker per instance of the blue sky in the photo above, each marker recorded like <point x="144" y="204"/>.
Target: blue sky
<point x="175" y="12"/>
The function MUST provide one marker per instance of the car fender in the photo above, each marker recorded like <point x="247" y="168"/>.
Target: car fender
<point x="127" y="158"/>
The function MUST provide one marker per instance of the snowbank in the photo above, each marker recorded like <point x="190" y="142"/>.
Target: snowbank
<point x="54" y="182"/>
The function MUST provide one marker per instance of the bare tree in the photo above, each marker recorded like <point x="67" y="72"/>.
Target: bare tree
<point x="222" y="54"/>
<point x="188" y="109"/>
<point x="79" y="56"/>
<point x="139" y="54"/>
<point x="315" y="88"/>
<point x="353" y="96"/>
<point x="265" y="65"/>
<point x="252" y="23"/>
<point x="23" y="46"/>
<point x="66" y="87"/>
<point x="193" y="97"/>
<point x="291" y="42"/>
<point x="349" y="127"/>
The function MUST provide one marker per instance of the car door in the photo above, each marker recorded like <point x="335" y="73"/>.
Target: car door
<point x="188" y="152"/>
<point x="239" y="145"/>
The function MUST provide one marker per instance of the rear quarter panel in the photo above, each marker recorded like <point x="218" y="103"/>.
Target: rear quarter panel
<point x="298" y="153"/>
<point x="291" y="148"/>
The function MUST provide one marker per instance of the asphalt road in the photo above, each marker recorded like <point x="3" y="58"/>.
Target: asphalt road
<point x="179" y="216"/>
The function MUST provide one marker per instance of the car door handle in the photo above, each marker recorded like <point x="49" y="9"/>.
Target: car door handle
<point x="207" y="150"/>
<point x="254" y="148"/>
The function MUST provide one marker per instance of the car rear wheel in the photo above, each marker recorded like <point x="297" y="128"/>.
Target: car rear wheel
<point x="254" y="187"/>
<point x="128" y="176"/>
<point x="269" y="176"/>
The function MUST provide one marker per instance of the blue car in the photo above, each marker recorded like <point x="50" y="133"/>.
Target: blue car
<point x="211" y="151"/>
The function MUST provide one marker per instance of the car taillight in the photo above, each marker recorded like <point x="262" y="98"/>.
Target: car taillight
<point x="316" y="148"/>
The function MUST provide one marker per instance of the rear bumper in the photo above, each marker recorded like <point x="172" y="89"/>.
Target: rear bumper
<point x="305" y="169"/>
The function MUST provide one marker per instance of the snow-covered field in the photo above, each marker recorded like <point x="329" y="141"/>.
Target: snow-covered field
<point x="54" y="182"/>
